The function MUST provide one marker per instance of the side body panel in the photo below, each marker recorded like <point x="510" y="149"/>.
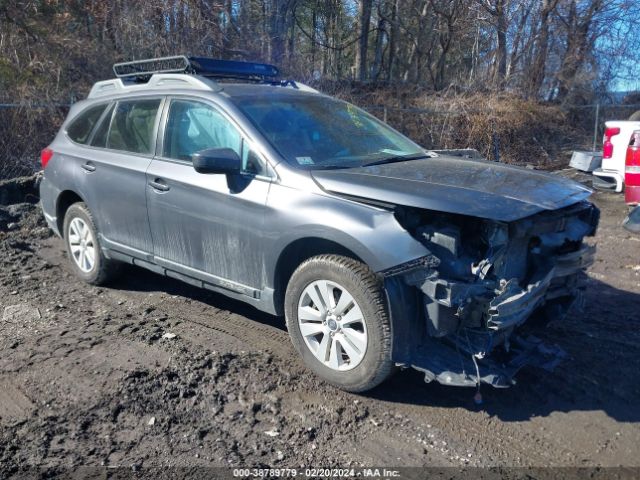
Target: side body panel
<point x="305" y="211"/>
<point x="114" y="193"/>
<point x="208" y="224"/>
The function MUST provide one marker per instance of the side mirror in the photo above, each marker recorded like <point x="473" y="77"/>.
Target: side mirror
<point x="217" y="160"/>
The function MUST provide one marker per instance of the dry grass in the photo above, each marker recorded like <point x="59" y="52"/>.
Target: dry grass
<point x="24" y="132"/>
<point x="524" y="132"/>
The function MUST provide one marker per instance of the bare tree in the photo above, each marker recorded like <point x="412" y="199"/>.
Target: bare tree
<point x="365" y="8"/>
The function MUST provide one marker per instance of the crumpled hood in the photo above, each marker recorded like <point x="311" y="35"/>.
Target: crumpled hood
<point x="478" y="188"/>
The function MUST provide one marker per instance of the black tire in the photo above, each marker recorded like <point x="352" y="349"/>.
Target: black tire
<point x="104" y="270"/>
<point x="367" y="290"/>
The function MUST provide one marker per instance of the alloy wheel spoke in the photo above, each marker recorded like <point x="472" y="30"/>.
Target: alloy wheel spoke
<point x="310" y="329"/>
<point x="344" y="302"/>
<point x="74" y="238"/>
<point x="326" y="292"/>
<point x="349" y="349"/>
<point x="354" y="315"/>
<point x="323" y="348"/>
<point x="315" y="298"/>
<point x="334" y="355"/>
<point x="89" y="259"/>
<point x="309" y="314"/>
<point x="355" y="338"/>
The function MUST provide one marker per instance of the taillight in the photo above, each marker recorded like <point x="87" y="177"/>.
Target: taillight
<point x="45" y="156"/>
<point x="607" y="146"/>
<point x="632" y="170"/>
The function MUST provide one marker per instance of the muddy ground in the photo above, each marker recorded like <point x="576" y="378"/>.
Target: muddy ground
<point x="90" y="377"/>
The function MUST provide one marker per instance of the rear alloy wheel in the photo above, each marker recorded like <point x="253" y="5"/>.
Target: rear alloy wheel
<point x="83" y="247"/>
<point x="337" y="320"/>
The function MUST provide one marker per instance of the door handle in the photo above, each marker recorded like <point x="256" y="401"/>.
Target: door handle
<point x="159" y="185"/>
<point x="89" y="167"/>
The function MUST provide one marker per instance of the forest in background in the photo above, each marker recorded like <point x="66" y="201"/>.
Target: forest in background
<point x="483" y="65"/>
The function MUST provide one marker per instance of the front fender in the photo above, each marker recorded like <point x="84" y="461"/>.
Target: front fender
<point x="372" y="233"/>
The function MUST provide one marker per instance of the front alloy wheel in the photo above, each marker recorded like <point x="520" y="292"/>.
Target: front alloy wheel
<point x="332" y="325"/>
<point x="337" y="319"/>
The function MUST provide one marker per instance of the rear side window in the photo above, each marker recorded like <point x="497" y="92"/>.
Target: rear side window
<point x="132" y="126"/>
<point x="80" y="129"/>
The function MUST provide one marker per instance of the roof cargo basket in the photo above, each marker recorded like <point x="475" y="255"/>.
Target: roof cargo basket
<point x="207" y="67"/>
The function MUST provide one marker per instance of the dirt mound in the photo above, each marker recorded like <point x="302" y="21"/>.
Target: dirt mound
<point x="19" y="209"/>
<point x="20" y="190"/>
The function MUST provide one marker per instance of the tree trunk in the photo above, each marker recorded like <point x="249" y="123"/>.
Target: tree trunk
<point x="365" y="20"/>
<point x="502" y="26"/>
<point x="578" y="44"/>
<point x="377" y="59"/>
<point x="280" y="12"/>
<point x="393" y="42"/>
<point x="541" y="48"/>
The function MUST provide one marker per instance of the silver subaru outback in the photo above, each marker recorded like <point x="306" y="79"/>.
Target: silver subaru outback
<point x="380" y="254"/>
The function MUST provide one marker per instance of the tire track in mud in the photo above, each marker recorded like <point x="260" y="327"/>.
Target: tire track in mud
<point x="460" y="431"/>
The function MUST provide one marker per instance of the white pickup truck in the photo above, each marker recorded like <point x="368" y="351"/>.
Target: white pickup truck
<point x="617" y="134"/>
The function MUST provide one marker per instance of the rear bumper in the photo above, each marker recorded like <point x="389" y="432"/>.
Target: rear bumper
<point x="632" y="195"/>
<point x="47" y="203"/>
<point x="609" y="180"/>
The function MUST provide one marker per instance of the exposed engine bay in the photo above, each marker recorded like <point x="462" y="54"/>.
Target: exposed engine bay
<point x="465" y="314"/>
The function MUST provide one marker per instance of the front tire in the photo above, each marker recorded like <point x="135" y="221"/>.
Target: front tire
<point x="83" y="247"/>
<point x="337" y="319"/>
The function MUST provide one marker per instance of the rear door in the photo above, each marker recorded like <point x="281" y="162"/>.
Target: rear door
<point x="115" y="173"/>
<point x="207" y="226"/>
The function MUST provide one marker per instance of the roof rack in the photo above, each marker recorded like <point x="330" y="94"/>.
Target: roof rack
<point x="207" y="67"/>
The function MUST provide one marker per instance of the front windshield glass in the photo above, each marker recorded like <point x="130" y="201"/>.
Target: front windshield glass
<point x="314" y="132"/>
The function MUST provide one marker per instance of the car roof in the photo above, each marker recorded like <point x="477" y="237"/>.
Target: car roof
<point x="236" y="90"/>
<point x="167" y="83"/>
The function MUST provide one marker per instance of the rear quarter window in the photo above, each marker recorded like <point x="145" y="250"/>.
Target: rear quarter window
<point x="79" y="130"/>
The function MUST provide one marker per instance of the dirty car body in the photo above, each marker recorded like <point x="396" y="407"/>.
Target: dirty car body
<point x="471" y="253"/>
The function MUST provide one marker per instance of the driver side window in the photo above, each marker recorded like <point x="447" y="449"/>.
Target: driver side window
<point x="193" y="126"/>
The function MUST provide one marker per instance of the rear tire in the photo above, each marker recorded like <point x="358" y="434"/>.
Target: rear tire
<point x="340" y="304"/>
<point x="83" y="247"/>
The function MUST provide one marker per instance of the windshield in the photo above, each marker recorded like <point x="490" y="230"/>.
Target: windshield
<point x="316" y="132"/>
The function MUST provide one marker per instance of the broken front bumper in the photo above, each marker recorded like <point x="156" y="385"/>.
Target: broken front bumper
<point x="463" y="324"/>
<point x="444" y="364"/>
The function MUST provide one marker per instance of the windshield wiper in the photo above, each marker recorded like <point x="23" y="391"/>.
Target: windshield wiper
<point x="395" y="158"/>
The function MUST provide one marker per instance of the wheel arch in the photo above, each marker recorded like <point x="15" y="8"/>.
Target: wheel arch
<point x="64" y="201"/>
<point x="296" y="252"/>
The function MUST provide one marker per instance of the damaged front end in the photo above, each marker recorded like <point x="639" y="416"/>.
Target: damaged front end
<point x="464" y="314"/>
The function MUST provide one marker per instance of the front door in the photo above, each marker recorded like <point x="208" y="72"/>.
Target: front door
<point x="208" y="226"/>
